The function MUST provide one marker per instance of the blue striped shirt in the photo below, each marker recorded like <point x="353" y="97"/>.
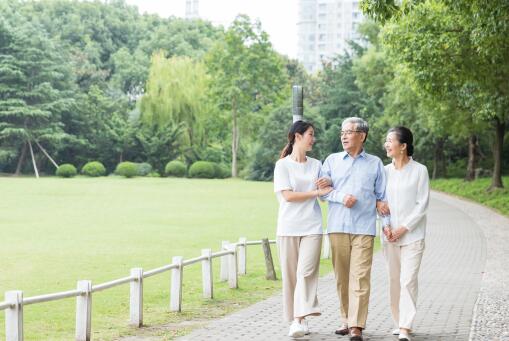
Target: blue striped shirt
<point x="364" y="178"/>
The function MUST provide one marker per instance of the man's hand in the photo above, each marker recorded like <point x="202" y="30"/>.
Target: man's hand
<point x="349" y="200"/>
<point x="398" y="233"/>
<point x="382" y="207"/>
<point x="323" y="182"/>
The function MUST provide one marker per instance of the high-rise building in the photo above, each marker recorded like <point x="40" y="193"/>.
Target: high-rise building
<point x="192" y="11"/>
<point x="324" y="27"/>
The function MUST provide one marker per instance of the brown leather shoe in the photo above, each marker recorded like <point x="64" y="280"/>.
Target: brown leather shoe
<point x="343" y="330"/>
<point x="356" y="334"/>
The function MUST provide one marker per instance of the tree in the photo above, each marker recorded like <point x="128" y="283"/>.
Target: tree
<point x="177" y="93"/>
<point x="458" y="50"/>
<point x="247" y="74"/>
<point x="35" y="89"/>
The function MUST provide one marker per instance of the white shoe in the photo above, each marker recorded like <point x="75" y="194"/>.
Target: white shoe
<point x="296" y="330"/>
<point x="404" y="337"/>
<point x="304" y="324"/>
<point x="395" y="331"/>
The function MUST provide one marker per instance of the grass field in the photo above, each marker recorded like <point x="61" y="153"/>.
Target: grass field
<point x="477" y="191"/>
<point x="54" y="232"/>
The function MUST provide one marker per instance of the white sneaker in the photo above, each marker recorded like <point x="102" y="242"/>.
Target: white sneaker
<point x="395" y="331"/>
<point x="296" y="330"/>
<point x="304" y="324"/>
<point x="404" y="337"/>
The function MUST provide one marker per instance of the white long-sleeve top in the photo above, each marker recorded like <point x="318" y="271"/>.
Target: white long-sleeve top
<point x="407" y="193"/>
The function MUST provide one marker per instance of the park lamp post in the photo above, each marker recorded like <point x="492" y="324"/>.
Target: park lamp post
<point x="298" y="103"/>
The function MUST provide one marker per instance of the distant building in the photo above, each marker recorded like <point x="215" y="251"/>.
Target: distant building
<point x="324" y="27"/>
<point x="192" y="9"/>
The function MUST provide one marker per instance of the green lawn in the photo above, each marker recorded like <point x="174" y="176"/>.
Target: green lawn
<point x="54" y="232"/>
<point x="477" y="191"/>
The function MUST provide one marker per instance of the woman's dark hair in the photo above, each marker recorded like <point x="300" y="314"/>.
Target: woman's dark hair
<point x="298" y="127"/>
<point x="404" y="135"/>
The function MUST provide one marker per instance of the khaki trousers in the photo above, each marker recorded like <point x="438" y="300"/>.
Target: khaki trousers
<point x="403" y="263"/>
<point x="352" y="256"/>
<point x="300" y="260"/>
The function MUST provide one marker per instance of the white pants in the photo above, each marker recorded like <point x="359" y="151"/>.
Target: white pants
<point x="300" y="260"/>
<point x="403" y="264"/>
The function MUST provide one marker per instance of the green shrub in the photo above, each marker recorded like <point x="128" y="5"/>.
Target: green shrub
<point x="203" y="169"/>
<point x="153" y="175"/>
<point x="66" y="171"/>
<point x="222" y="171"/>
<point x="93" y="168"/>
<point x="127" y="169"/>
<point x="175" y="168"/>
<point x="144" y="168"/>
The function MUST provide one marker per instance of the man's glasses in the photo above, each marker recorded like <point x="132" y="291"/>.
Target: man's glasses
<point x="349" y="132"/>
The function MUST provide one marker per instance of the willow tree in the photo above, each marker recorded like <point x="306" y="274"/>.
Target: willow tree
<point x="176" y="92"/>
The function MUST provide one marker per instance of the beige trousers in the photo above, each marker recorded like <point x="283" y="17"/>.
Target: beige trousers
<point x="300" y="260"/>
<point x="352" y="256"/>
<point x="403" y="264"/>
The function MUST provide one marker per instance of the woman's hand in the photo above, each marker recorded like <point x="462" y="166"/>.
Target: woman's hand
<point x="324" y="191"/>
<point x="383" y="208"/>
<point x="398" y="233"/>
<point x="387" y="232"/>
<point x="323" y="182"/>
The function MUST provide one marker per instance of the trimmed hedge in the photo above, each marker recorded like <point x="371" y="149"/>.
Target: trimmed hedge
<point x="222" y="171"/>
<point x="175" y="168"/>
<point x="127" y="169"/>
<point x="94" y="169"/>
<point x="66" y="171"/>
<point x="144" y="168"/>
<point x="203" y="169"/>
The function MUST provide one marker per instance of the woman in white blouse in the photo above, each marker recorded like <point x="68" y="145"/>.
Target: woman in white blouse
<point x="407" y="195"/>
<point x="299" y="226"/>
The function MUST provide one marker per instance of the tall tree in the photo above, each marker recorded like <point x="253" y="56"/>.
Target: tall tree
<point x="455" y="48"/>
<point x="247" y="74"/>
<point x="35" y="88"/>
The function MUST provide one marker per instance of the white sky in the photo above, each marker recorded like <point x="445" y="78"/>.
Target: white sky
<point x="278" y="17"/>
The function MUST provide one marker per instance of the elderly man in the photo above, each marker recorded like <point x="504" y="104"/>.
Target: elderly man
<point x="358" y="179"/>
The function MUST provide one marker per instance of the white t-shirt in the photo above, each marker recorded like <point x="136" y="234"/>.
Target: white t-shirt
<point x="297" y="218"/>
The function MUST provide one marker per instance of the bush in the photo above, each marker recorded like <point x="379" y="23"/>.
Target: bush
<point x="222" y="171"/>
<point x="93" y="168"/>
<point x="203" y="169"/>
<point x="127" y="169"/>
<point x="175" y="168"/>
<point x="66" y="171"/>
<point x="144" y="168"/>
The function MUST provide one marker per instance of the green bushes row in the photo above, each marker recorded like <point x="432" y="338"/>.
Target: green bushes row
<point x="175" y="168"/>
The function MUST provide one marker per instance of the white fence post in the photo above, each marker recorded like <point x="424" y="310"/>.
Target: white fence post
<point x="206" y="274"/>
<point x="136" y="298"/>
<point x="232" y="267"/>
<point x="14" y="316"/>
<point x="84" y="311"/>
<point x="176" y="285"/>
<point x="223" y="273"/>
<point x="242" y="255"/>
<point x="326" y="246"/>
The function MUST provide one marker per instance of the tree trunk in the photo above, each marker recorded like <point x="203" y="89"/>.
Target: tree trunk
<point x="498" y="146"/>
<point x="21" y="159"/>
<point x="472" y="158"/>
<point x="235" y="139"/>
<point x="439" y="169"/>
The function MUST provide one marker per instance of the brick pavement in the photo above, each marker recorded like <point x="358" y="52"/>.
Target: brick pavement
<point x="450" y="281"/>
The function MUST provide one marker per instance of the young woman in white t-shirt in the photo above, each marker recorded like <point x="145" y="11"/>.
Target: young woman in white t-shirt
<point x="407" y="195"/>
<point x="299" y="226"/>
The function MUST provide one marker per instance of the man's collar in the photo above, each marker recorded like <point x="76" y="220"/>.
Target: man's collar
<point x="344" y="154"/>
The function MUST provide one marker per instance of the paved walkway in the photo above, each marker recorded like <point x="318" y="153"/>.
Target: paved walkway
<point x="463" y="294"/>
